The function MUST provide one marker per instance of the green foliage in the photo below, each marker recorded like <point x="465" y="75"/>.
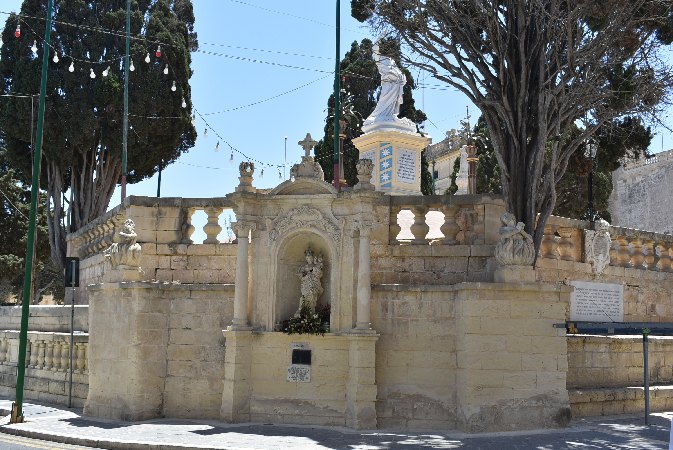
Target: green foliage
<point x="360" y="83"/>
<point x="453" y="187"/>
<point x="309" y="323"/>
<point x="83" y="118"/>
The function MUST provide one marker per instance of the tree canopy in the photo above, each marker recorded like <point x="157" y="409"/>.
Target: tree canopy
<point x="535" y="68"/>
<point x="361" y="81"/>
<point x="84" y="108"/>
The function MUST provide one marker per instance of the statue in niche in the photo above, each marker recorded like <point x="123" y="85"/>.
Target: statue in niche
<point x="310" y="275"/>
<point x="516" y="246"/>
<point x="392" y="87"/>
<point x="127" y="252"/>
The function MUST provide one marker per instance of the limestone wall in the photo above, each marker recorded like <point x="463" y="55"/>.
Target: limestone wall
<point x="157" y="350"/>
<point x="47" y="318"/>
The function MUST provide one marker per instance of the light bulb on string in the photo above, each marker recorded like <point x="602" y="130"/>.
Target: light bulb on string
<point x="147" y="58"/>
<point x="71" y="68"/>
<point x="92" y="74"/>
<point x="174" y="87"/>
<point x="193" y="119"/>
<point x="132" y="67"/>
<point x="33" y="48"/>
<point x="217" y="147"/>
<point x="280" y="175"/>
<point x="231" y="158"/>
<point x="158" y="53"/>
<point x="261" y="174"/>
<point x="184" y="103"/>
<point x="205" y="133"/>
<point x="106" y="71"/>
<point x="55" y="58"/>
<point x="17" y="32"/>
<point x="166" y="70"/>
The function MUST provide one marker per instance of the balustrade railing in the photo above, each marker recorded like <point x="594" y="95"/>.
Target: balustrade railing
<point x="46" y="351"/>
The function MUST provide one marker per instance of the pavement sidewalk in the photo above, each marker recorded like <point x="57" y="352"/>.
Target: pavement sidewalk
<point x="66" y="426"/>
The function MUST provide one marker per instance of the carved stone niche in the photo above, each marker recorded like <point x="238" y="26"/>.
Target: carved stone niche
<point x="290" y="258"/>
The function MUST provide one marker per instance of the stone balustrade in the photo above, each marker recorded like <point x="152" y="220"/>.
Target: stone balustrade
<point x="46" y="351"/>
<point x="445" y="219"/>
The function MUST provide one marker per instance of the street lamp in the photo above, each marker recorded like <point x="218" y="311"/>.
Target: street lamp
<point x="590" y="151"/>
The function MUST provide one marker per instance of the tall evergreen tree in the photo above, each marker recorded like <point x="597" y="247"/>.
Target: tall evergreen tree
<point x="83" y="118"/>
<point x="361" y="81"/>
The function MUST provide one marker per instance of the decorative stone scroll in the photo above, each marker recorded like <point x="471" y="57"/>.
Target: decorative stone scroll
<point x="125" y="254"/>
<point x="516" y="246"/>
<point x="597" y="245"/>
<point x="365" y="168"/>
<point x="304" y="217"/>
<point x="246" y="169"/>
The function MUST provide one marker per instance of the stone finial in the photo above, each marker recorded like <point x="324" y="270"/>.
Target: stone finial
<point x="126" y="253"/>
<point x="597" y="246"/>
<point x="307" y="168"/>
<point x="516" y="247"/>
<point x="307" y="144"/>
<point x="365" y="167"/>
<point x="245" y="169"/>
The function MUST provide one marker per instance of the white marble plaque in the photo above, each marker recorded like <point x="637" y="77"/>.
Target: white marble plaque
<point x="370" y="154"/>
<point x="406" y="166"/>
<point x="299" y="373"/>
<point x="597" y="302"/>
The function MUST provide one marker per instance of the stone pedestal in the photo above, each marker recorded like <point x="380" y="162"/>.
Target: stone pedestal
<point x="361" y="388"/>
<point x="397" y="160"/>
<point x="237" y="365"/>
<point x="514" y="274"/>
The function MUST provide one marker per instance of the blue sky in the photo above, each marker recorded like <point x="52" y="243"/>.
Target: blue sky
<point x="276" y="33"/>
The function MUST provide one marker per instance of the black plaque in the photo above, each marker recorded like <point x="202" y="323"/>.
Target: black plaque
<point x="301" y="357"/>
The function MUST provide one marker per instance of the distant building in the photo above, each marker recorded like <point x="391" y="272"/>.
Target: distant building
<point x="641" y="194"/>
<point x="442" y="157"/>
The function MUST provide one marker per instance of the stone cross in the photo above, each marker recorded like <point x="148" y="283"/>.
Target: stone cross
<point x="307" y="144"/>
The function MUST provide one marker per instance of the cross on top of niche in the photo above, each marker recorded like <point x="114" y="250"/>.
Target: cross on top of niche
<point x="307" y="144"/>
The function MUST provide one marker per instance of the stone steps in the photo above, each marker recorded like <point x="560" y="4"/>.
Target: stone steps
<point x="589" y="402"/>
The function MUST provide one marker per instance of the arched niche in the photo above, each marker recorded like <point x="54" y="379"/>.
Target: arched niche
<point x="290" y="257"/>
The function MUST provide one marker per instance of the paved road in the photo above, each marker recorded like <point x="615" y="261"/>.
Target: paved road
<point x="9" y="442"/>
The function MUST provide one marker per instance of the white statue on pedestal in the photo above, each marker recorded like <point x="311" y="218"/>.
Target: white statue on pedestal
<point x="311" y="287"/>
<point x="388" y="105"/>
<point x="126" y="253"/>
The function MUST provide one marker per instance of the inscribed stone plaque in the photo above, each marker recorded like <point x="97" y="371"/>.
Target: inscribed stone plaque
<point x="299" y="373"/>
<point x="597" y="302"/>
<point x="406" y="166"/>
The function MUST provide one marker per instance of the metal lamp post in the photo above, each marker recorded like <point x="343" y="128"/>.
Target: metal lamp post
<point x="590" y="152"/>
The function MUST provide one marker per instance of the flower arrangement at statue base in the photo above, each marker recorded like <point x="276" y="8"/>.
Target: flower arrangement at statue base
<point x="308" y="323"/>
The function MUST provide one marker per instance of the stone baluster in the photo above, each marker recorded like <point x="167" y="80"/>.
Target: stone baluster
<point x="623" y="256"/>
<point x="80" y="357"/>
<point x="240" y="320"/>
<point x="65" y="356"/>
<point x="3" y="350"/>
<point x="650" y="255"/>
<point x="85" y="346"/>
<point x="663" y="256"/>
<point x="212" y="228"/>
<point x="449" y="228"/>
<point x="188" y="228"/>
<point x="394" y="227"/>
<point x="419" y="229"/>
<point x="56" y="366"/>
<point x="364" y="288"/>
<point x="48" y="355"/>
<point x="637" y="256"/>
<point x="565" y="247"/>
<point x="33" y="353"/>
<point x="41" y="348"/>
<point x="550" y="243"/>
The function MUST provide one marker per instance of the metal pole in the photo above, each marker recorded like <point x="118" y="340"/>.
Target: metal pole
<point x="125" y="125"/>
<point x="433" y="178"/>
<point x="646" y="376"/>
<point x="72" y="330"/>
<point x="285" y="164"/>
<point x="337" y="90"/>
<point x="159" y="182"/>
<point x="591" y="195"/>
<point x="17" y="407"/>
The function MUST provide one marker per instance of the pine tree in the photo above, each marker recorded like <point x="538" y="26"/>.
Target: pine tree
<point x="83" y="117"/>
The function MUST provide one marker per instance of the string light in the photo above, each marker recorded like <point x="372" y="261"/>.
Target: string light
<point x="92" y="74"/>
<point x="261" y="174"/>
<point x="132" y="67"/>
<point x="147" y="58"/>
<point x="205" y="133"/>
<point x="184" y="103"/>
<point x="106" y="71"/>
<point x="231" y="158"/>
<point x="158" y="53"/>
<point x="17" y="32"/>
<point x="193" y="119"/>
<point x="34" y="47"/>
<point x="71" y="68"/>
<point x="55" y="58"/>
<point x="174" y="87"/>
<point x="217" y="146"/>
<point x="280" y="175"/>
<point x="166" y="70"/>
